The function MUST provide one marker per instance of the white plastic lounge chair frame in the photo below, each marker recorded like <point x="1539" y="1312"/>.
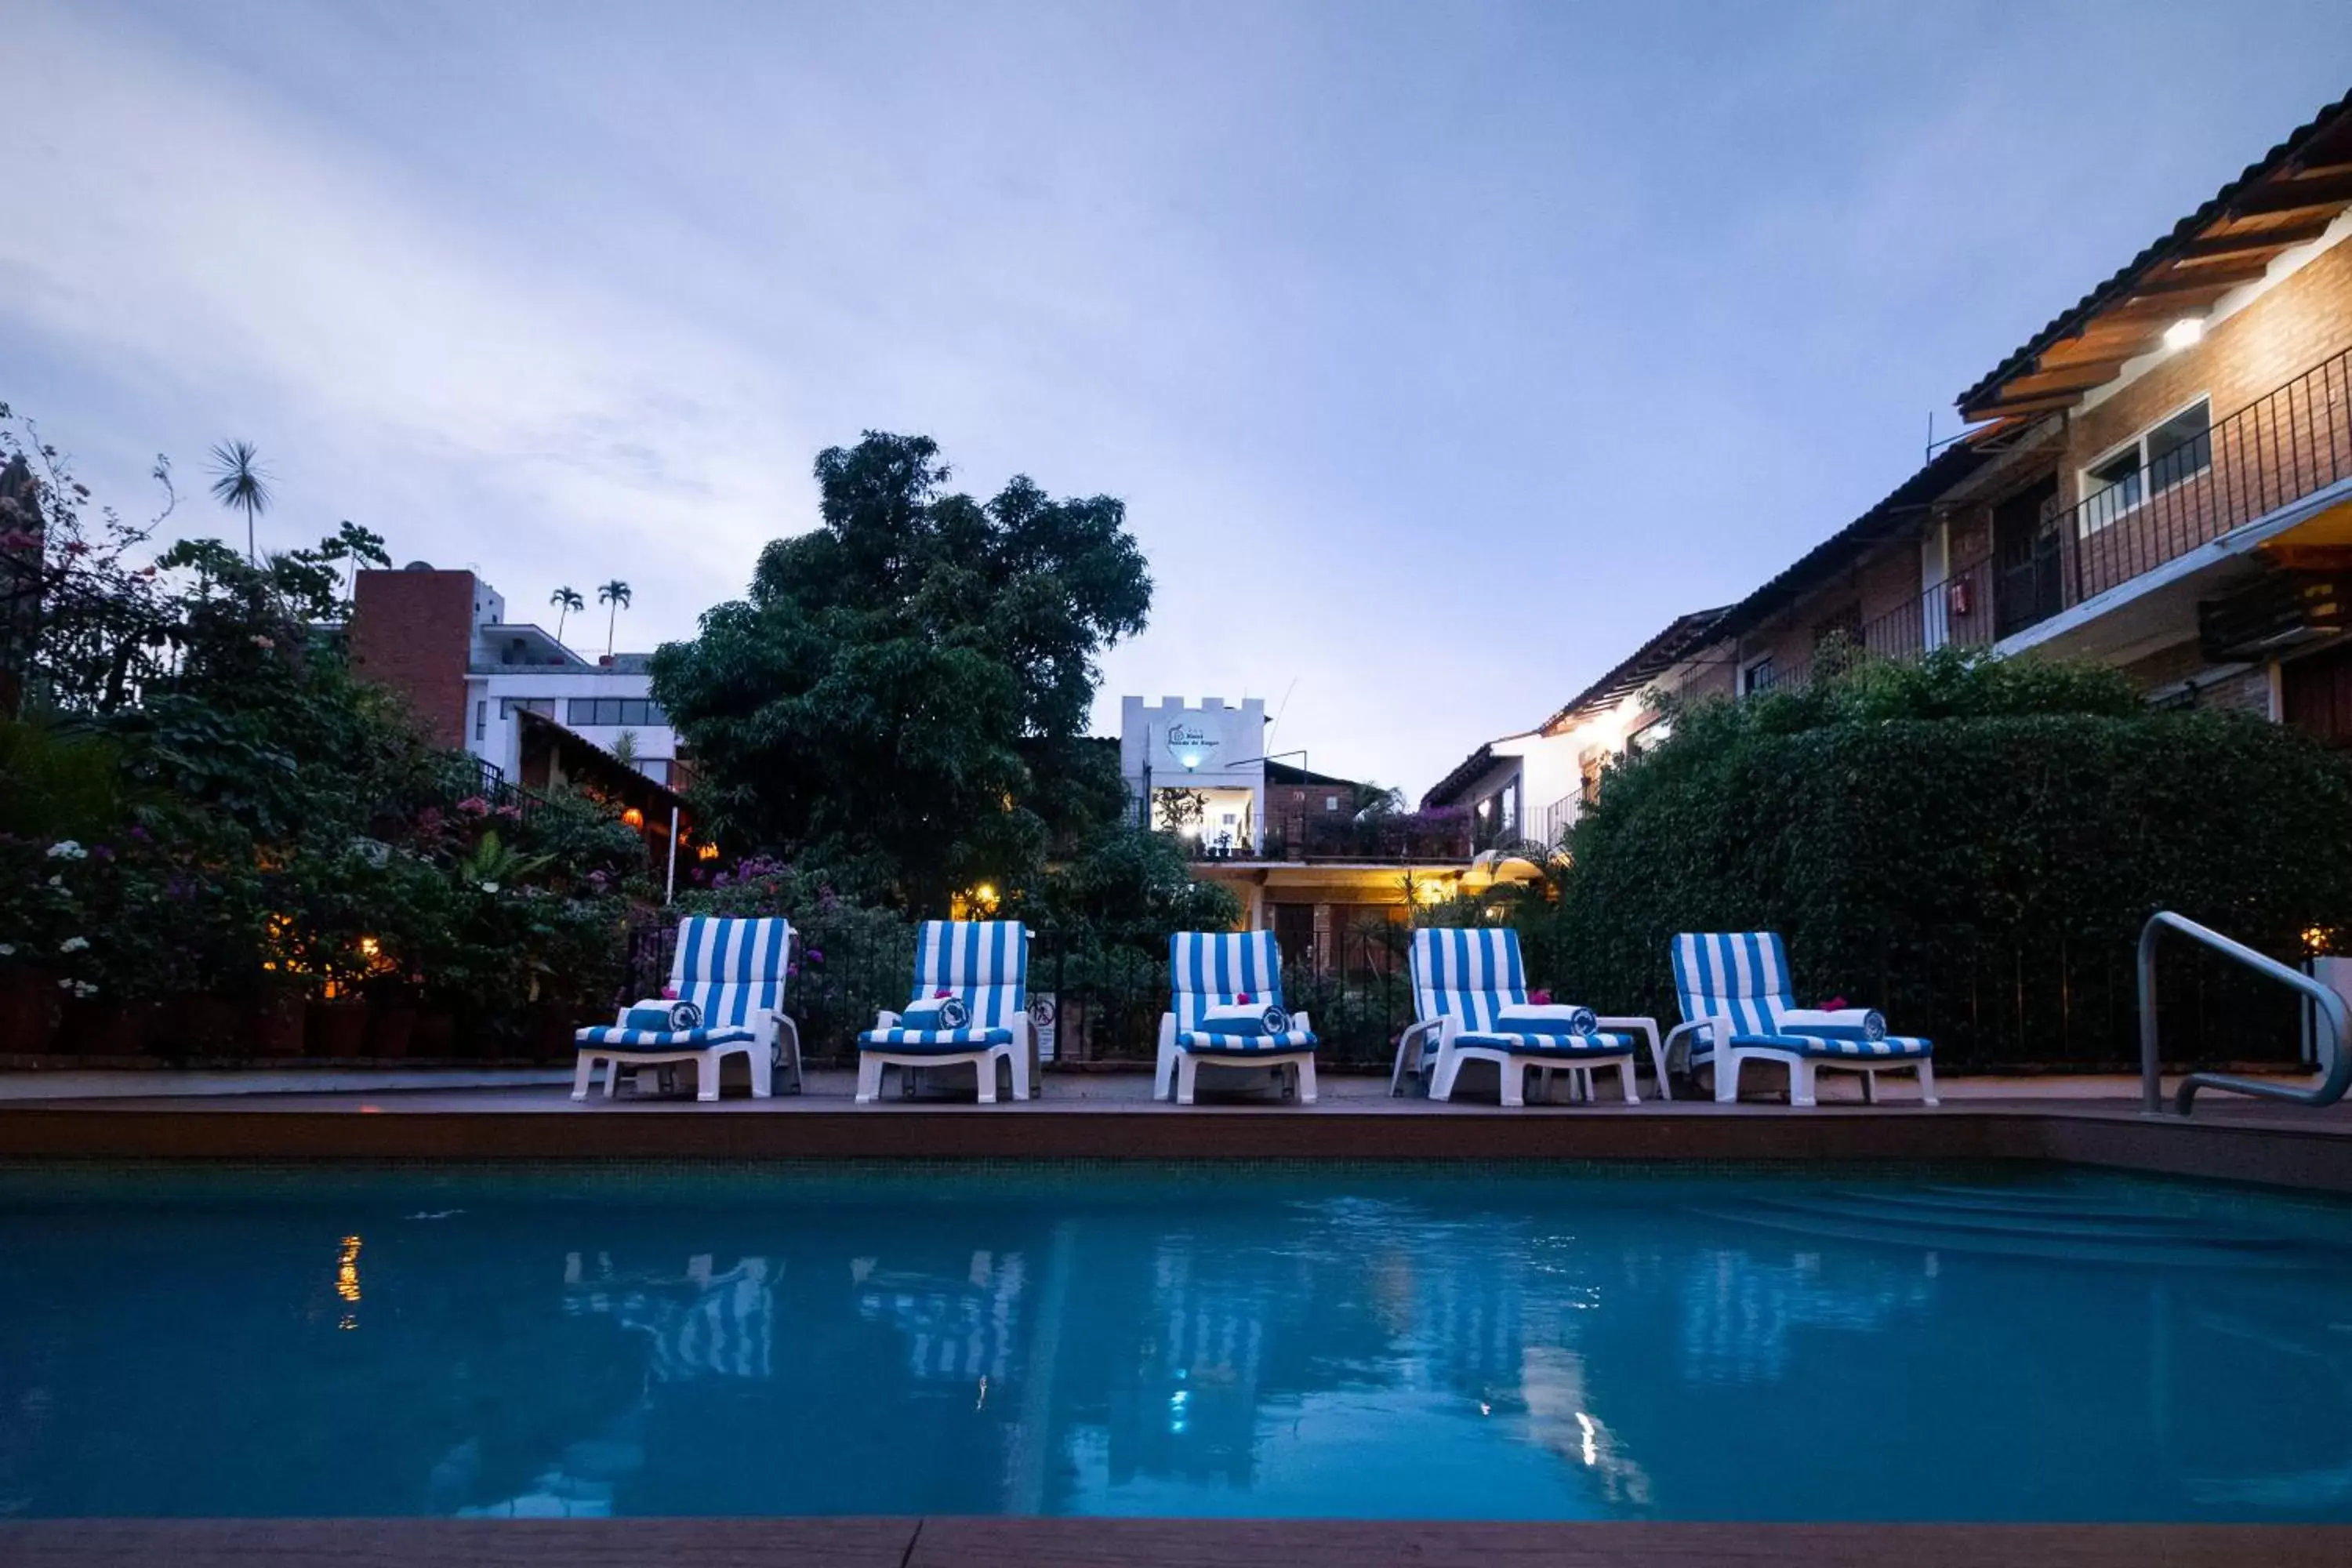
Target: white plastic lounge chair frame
<point x="1462" y="980"/>
<point x="735" y="971"/>
<point x="984" y="962"/>
<point x="1734" y="987"/>
<point x="1206" y="968"/>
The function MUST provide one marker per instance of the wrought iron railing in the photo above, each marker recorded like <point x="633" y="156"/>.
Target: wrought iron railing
<point x="2293" y="442"/>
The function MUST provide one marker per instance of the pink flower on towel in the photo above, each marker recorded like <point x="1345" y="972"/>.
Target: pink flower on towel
<point x="1834" y="1005"/>
<point x="669" y="993"/>
<point x="941" y="995"/>
<point x="1244" y="997"/>
<point x="1538" y="998"/>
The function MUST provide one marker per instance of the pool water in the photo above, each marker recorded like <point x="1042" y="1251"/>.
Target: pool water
<point x="1507" y="1342"/>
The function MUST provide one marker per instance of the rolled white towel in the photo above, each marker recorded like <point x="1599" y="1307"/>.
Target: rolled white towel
<point x="1845" y="1024"/>
<point x="1553" y="1018"/>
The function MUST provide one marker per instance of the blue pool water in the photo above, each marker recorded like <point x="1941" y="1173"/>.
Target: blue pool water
<point x="1971" y="1343"/>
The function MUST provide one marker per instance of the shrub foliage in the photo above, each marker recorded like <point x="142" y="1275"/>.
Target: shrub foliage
<point x="1962" y="825"/>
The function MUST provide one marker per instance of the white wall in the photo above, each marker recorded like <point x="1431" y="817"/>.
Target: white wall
<point x="1212" y="745"/>
<point x="500" y="739"/>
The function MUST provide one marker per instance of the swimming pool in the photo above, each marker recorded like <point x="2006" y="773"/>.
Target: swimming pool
<point x="1504" y="1342"/>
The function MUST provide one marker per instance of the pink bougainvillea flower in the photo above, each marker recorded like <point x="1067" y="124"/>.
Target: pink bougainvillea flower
<point x="1539" y="998"/>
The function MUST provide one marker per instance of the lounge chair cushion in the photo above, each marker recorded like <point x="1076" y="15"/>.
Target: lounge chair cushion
<point x="1222" y="1042"/>
<point x="1547" y="1045"/>
<point x="944" y="1041"/>
<point x="609" y="1037"/>
<point x="1837" y="1048"/>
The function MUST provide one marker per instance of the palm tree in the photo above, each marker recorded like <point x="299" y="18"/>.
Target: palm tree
<point x="565" y="601"/>
<point x="616" y="594"/>
<point x="241" y="484"/>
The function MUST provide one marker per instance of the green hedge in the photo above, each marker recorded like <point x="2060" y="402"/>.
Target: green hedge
<point x="1973" y="846"/>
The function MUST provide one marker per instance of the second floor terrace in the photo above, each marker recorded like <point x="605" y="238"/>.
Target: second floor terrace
<point x="2194" y="509"/>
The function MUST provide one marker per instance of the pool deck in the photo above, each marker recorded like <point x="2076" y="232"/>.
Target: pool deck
<point x="1093" y="1115"/>
<point x="966" y="1542"/>
<point x="283" y="1115"/>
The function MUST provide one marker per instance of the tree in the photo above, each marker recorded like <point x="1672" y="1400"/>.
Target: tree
<point x="358" y="545"/>
<point x="241" y="484"/>
<point x="904" y="691"/>
<point x="565" y="601"/>
<point x="616" y="594"/>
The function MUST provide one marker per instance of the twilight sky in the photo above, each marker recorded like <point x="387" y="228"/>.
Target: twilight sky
<point x="1441" y="353"/>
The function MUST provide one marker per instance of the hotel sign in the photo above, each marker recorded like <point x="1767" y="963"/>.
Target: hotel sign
<point x="1190" y="744"/>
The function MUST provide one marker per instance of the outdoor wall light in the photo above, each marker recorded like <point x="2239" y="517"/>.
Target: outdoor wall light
<point x="634" y="817"/>
<point x="2184" y="333"/>
<point x="1191" y="760"/>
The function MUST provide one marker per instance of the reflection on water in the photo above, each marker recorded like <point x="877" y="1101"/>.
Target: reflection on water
<point x="1363" y="1342"/>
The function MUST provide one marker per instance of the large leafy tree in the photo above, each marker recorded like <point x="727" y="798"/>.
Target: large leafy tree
<point x="903" y="693"/>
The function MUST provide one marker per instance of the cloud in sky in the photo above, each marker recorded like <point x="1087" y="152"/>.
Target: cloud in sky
<point x="1441" y="354"/>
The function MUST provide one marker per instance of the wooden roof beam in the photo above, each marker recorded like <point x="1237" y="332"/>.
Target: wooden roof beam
<point x="2008" y="407"/>
<point x="2222" y="274"/>
<point x="2080" y="376"/>
<point x="2330" y="189"/>
<point x="2208" y="246"/>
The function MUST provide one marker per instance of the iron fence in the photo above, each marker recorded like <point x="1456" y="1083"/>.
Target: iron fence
<point x="1991" y="1002"/>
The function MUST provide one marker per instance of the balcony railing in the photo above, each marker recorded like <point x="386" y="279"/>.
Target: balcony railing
<point x="2289" y="444"/>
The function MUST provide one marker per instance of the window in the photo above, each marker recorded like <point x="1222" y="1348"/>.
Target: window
<point x="611" y="711"/>
<point x="1755" y="677"/>
<point x="1331" y="803"/>
<point x="510" y="706"/>
<point x="481" y="719"/>
<point x="2165" y="453"/>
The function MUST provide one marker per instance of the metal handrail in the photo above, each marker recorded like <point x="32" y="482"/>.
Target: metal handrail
<point x="2335" y="1037"/>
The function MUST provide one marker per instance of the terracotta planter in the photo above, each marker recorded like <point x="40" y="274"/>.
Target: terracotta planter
<point x="337" y="1030"/>
<point x="277" y="1021"/>
<point x="96" y="1026"/>
<point x="28" y="1013"/>
<point x="392" y="1024"/>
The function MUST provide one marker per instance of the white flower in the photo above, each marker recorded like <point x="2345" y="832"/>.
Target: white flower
<point x="56" y="882"/>
<point x="74" y="945"/>
<point x="7" y="950"/>
<point x="66" y="849"/>
<point x="489" y="887"/>
<point x="82" y="987"/>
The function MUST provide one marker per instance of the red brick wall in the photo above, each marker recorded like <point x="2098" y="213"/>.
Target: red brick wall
<point x="2299" y="324"/>
<point x="411" y="631"/>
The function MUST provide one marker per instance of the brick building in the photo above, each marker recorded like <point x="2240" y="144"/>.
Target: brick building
<point x="2160" y="479"/>
<point x="442" y="640"/>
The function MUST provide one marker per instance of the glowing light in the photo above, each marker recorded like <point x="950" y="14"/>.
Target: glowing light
<point x="707" y="852"/>
<point x="369" y="947"/>
<point x="347" y="1271"/>
<point x="986" y="895"/>
<point x="1429" y="890"/>
<point x="634" y="817"/>
<point x="2184" y="333"/>
<point x="1191" y="760"/>
<point x="2315" y="939"/>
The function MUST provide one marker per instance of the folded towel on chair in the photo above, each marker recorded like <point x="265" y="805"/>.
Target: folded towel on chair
<point x="1842" y="1023"/>
<point x="663" y="1018"/>
<point x="944" y="1011"/>
<point x="1551" y="1018"/>
<point x="1244" y="1017"/>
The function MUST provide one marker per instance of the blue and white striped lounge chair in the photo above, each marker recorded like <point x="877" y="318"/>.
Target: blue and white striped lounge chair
<point x="984" y="966"/>
<point x="733" y="971"/>
<point x="1218" y="969"/>
<point x="1734" y="992"/>
<point x="1462" y="982"/>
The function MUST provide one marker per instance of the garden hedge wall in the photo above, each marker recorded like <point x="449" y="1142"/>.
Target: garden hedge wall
<point x="1975" y="848"/>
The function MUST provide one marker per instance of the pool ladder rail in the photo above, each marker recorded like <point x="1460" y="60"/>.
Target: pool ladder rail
<point x="2332" y="1016"/>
